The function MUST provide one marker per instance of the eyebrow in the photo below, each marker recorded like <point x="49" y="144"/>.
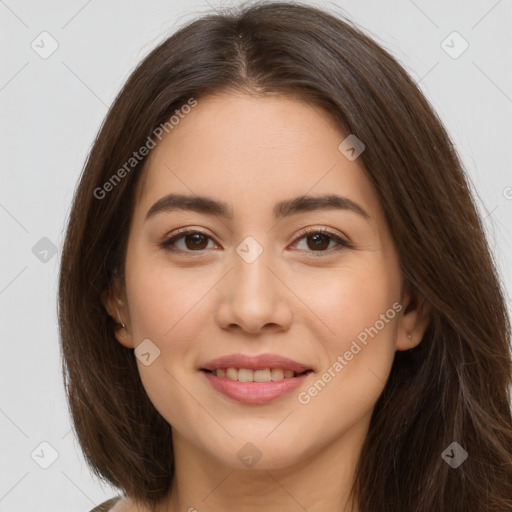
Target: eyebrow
<point x="286" y="208"/>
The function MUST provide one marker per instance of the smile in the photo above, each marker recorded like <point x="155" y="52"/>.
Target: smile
<point x="262" y="375"/>
<point x="255" y="379"/>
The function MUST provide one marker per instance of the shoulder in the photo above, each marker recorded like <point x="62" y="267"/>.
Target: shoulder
<point x="108" y="505"/>
<point x="119" y="504"/>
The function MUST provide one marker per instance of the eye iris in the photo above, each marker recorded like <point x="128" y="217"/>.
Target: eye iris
<point x="319" y="243"/>
<point x="198" y="239"/>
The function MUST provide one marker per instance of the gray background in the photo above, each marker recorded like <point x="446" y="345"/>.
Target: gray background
<point x="51" y="110"/>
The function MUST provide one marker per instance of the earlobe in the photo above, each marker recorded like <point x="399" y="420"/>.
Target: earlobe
<point x="120" y="319"/>
<point x="116" y="309"/>
<point x="122" y="333"/>
<point x="123" y="336"/>
<point x="413" y="323"/>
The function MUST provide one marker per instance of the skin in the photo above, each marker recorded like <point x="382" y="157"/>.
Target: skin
<point x="252" y="153"/>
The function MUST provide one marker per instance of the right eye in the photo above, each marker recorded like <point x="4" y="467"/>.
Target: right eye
<point x="194" y="241"/>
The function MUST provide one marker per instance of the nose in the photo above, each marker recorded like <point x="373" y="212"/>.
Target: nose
<point x="254" y="297"/>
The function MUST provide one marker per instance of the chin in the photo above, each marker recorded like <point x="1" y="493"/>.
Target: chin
<point x="265" y="449"/>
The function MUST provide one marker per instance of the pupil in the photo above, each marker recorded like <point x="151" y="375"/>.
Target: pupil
<point x="320" y="245"/>
<point x="198" y="238"/>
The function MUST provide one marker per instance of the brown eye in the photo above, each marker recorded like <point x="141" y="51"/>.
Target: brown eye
<point x="193" y="241"/>
<point x="319" y="240"/>
<point x="196" y="241"/>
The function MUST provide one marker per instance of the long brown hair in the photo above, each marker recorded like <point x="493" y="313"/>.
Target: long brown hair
<point x="454" y="387"/>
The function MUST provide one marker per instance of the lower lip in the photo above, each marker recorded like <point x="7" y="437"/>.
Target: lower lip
<point x="255" y="392"/>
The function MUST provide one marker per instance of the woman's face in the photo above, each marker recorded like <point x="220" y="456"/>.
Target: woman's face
<point x="258" y="279"/>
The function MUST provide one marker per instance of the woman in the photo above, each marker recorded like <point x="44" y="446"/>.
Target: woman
<point x="275" y="290"/>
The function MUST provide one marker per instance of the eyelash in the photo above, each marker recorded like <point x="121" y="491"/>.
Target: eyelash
<point x="168" y="242"/>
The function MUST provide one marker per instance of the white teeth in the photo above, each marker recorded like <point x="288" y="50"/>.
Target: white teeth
<point x="245" y="375"/>
<point x="261" y="375"/>
<point x="248" y="375"/>
<point x="232" y="373"/>
<point x="277" y="374"/>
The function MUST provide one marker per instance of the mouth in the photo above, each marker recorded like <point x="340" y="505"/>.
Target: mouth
<point x="258" y="375"/>
<point x="255" y="379"/>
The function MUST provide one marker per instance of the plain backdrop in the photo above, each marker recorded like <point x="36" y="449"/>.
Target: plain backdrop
<point x="51" y="109"/>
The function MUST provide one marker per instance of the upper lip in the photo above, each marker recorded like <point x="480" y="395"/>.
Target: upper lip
<point x="258" y="362"/>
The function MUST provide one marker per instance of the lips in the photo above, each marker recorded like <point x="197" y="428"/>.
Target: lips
<point x="255" y="379"/>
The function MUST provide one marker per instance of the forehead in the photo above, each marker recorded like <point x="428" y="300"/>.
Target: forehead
<point x="250" y="150"/>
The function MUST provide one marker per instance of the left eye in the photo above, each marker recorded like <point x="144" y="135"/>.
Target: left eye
<point x="317" y="240"/>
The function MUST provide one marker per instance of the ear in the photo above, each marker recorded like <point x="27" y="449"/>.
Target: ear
<point x="414" y="320"/>
<point x="115" y="303"/>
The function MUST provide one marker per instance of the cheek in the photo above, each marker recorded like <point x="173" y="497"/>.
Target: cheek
<point x="361" y="308"/>
<point x="163" y="301"/>
<point x="165" y="306"/>
<point x="349" y="300"/>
